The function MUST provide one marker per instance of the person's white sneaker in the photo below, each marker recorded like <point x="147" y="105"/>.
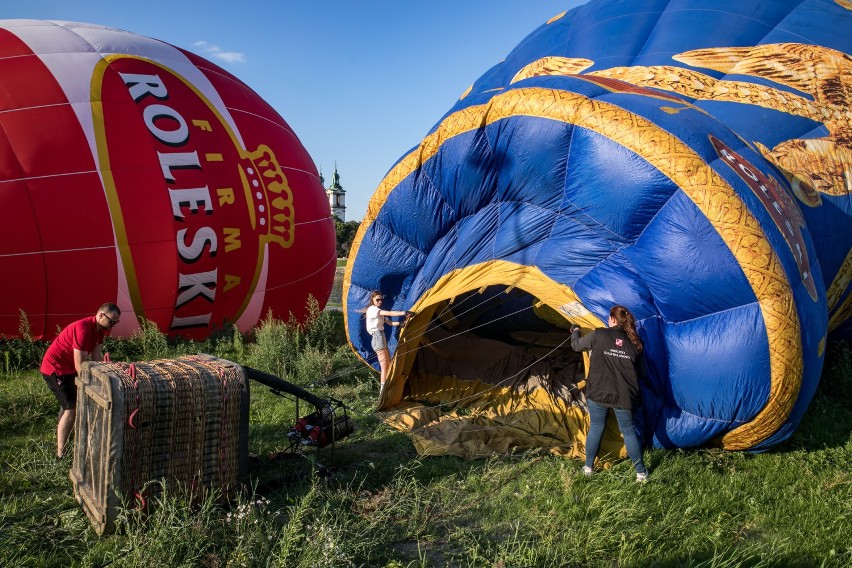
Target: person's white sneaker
<point x="587" y="471"/>
<point x="642" y="477"/>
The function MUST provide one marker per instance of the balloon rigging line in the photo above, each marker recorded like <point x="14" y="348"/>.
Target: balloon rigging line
<point x="373" y="356"/>
<point x="449" y="309"/>
<point x="356" y="367"/>
<point x="432" y="328"/>
<point x="320" y="220"/>
<point x="346" y="371"/>
<point x="106" y="247"/>
<point x="320" y="269"/>
<point x="510" y="422"/>
<point x="37" y="107"/>
<point x="504" y="380"/>
<point x="462" y="332"/>
<point x="460" y="400"/>
<point x="496" y="385"/>
<point x="433" y="325"/>
<point x="499" y="383"/>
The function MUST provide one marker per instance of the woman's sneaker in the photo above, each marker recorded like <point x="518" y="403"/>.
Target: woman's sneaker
<point x="587" y="471"/>
<point x="642" y="477"/>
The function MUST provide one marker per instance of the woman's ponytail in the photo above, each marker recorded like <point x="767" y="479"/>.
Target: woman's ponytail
<point x="625" y="320"/>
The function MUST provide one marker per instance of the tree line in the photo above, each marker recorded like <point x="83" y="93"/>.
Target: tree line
<point x="345" y="231"/>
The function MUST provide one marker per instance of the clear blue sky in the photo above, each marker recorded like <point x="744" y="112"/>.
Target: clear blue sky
<point x="360" y="82"/>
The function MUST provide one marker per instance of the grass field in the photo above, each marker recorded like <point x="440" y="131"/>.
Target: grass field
<point x="385" y="506"/>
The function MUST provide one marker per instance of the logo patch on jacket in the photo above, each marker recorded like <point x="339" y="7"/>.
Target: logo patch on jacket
<point x="619" y="342"/>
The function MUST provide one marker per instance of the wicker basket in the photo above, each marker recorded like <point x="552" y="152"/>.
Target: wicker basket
<point x="183" y="421"/>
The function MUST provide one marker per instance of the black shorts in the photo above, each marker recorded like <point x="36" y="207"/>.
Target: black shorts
<point x="64" y="388"/>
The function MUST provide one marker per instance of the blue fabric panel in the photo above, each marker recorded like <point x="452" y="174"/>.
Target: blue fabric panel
<point x="573" y="249"/>
<point x="679" y="429"/>
<point x="732" y="26"/>
<point x="613" y="32"/>
<point x="613" y="281"/>
<point x="614" y="187"/>
<point x="813" y="21"/>
<point x="532" y="154"/>
<point x="463" y="171"/>
<point x="389" y="266"/>
<point x="523" y="229"/>
<point x="417" y="213"/>
<point x="686" y="264"/>
<point x="476" y="235"/>
<point x="656" y="363"/>
<point x="547" y="39"/>
<point x="713" y="363"/>
<point x="441" y="260"/>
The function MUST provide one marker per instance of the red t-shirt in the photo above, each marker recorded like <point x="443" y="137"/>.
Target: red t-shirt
<point x="83" y="335"/>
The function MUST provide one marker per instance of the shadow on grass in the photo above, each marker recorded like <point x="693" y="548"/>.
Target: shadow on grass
<point x="372" y="456"/>
<point x="827" y="421"/>
<point x="735" y="556"/>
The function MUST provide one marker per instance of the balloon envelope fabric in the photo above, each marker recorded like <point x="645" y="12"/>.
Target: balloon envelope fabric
<point x="134" y="171"/>
<point x="672" y="157"/>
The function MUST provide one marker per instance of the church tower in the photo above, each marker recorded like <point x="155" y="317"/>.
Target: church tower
<point x="336" y="196"/>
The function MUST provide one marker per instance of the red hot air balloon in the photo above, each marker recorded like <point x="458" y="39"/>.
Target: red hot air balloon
<point x="137" y="172"/>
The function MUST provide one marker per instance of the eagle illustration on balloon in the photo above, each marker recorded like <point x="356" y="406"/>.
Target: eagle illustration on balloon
<point x="691" y="161"/>
<point x="137" y="172"/>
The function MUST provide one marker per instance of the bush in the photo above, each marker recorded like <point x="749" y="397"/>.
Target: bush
<point x="324" y="330"/>
<point x="299" y="351"/>
<point x="306" y="351"/>
<point x="21" y="353"/>
<point x="276" y="347"/>
<point x="146" y="344"/>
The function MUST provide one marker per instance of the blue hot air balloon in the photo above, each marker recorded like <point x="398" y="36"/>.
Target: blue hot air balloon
<point x="688" y="160"/>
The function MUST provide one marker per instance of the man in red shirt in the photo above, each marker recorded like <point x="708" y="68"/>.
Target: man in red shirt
<point x="80" y="341"/>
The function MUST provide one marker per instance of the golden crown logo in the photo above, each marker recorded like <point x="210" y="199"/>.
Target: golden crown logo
<point x="268" y="196"/>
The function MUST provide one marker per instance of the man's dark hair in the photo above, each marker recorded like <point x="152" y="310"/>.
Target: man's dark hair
<point x="109" y="307"/>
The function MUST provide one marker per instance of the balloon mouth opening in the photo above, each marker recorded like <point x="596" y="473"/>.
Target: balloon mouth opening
<point x="497" y="338"/>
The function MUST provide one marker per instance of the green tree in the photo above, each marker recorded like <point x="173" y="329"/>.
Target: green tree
<point x="345" y="234"/>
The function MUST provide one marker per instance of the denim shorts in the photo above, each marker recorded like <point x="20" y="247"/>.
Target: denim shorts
<point x="378" y="340"/>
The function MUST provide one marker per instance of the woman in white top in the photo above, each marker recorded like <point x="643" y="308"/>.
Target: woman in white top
<point x="377" y="318"/>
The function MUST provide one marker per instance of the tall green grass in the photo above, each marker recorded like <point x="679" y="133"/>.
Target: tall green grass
<point x="385" y="506"/>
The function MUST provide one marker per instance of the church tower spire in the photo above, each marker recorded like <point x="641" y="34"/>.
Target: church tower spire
<point x="336" y="196"/>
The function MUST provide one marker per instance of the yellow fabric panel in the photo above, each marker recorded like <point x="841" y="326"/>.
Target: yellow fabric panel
<point x="551" y="316"/>
<point x="471" y="419"/>
<point x="840" y="312"/>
